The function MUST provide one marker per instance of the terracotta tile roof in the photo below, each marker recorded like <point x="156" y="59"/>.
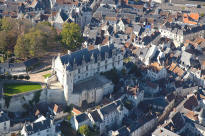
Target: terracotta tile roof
<point x="57" y="108"/>
<point x="191" y="115"/>
<point x="127" y="44"/>
<point x="111" y="18"/>
<point x="76" y="111"/>
<point x="156" y="66"/>
<point x="202" y="96"/>
<point x="194" y="16"/>
<point x="105" y="41"/>
<point x="173" y="65"/>
<point x="178" y="71"/>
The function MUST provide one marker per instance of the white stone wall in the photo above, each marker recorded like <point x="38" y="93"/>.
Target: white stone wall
<point x="4" y="127"/>
<point x="171" y="35"/>
<point x="47" y="132"/>
<point x="16" y="102"/>
<point x="157" y="75"/>
<point x="145" y="128"/>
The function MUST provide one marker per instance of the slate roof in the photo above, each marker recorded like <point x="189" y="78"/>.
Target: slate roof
<point x="178" y="121"/>
<point x="3" y="117"/>
<point x="82" y="117"/>
<point x="37" y="126"/>
<point x="90" y="84"/>
<point x="95" y="115"/>
<point x="123" y="131"/>
<point x="78" y="56"/>
<point x="191" y="103"/>
<point x="110" y="107"/>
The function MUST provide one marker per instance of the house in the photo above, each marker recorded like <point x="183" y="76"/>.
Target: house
<point x="191" y="103"/>
<point x="123" y="131"/>
<point x="104" y="117"/>
<point x="4" y="123"/>
<point x="81" y="119"/>
<point x="135" y="94"/>
<point x="150" y="54"/>
<point x="13" y="68"/>
<point x="191" y="19"/>
<point x="151" y="87"/>
<point x="41" y="127"/>
<point x="163" y="132"/>
<point x="157" y="103"/>
<point x="178" y="122"/>
<point x="119" y="26"/>
<point x="186" y="58"/>
<point x="156" y="72"/>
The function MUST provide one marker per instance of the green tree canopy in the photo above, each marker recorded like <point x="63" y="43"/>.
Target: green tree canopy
<point x="31" y="44"/>
<point x="84" y="130"/>
<point x="71" y="36"/>
<point x="7" y="23"/>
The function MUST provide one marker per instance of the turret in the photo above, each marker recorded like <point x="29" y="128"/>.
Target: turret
<point x="68" y="85"/>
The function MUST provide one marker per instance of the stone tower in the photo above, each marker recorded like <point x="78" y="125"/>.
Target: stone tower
<point x="68" y="85"/>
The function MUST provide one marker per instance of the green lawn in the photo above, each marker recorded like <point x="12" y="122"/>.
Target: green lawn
<point x="47" y="75"/>
<point x="12" y="89"/>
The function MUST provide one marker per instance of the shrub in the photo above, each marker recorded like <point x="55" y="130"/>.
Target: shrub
<point x="27" y="77"/>
<point x="8" y="77"/>
<point x="15" y="77"/>
<point x="21" y="77"/>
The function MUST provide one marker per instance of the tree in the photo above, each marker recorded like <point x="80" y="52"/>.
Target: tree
<point x="3" y="43"/>
<point x="71" y="36"/>
<point x="84" y="130"/>
<point x="31" y="44"/>
<point x="21" y="48"/>
<point x="7" y="23"/>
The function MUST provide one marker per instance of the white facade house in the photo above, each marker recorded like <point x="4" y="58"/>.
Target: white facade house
<point x="40" y="127"/>
<point x="156" y="72"/>
<point x="4" y="123"/>
<point x="150" y="54"/>
<point x="104" y="117"/>
<point x="80" y="120"/>
<point x="77" y="72"/>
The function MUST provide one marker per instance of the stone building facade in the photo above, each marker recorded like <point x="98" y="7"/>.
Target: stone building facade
<point x="78" y="72"/>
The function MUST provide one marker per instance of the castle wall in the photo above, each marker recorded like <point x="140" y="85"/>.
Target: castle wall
<point x="18" y="102"/>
